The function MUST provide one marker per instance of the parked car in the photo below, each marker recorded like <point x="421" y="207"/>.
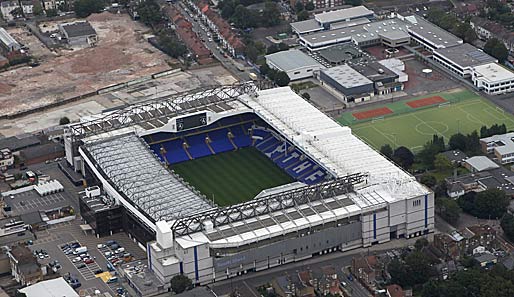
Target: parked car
<point x="81" y="265"/>
<point x="113" y="279"/>
<point x="77" y="259"/>
<point x="100" y="245"/>
<point x="89" y="261"/>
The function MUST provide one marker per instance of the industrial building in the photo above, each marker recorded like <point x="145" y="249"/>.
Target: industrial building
<point x="295" y="63"/>
<point x="80" y="34"/>
<point x="8" y="43"/>
<point x="461" y="58"/>
<point x="350" y="197"/>
<point x="493" y="79"/>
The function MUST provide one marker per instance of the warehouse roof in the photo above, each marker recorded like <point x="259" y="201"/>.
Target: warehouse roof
<point x="291" y="60"/>
<point x="481" y="163"/>
<point x="78" y="29"/>
<point x="343" y="14"/>
<point x="465" y="55"/>
<point x="306" y="26"/>
<point x="347" y="76"/>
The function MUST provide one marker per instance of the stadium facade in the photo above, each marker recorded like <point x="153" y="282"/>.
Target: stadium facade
<point x="346" y="195"/>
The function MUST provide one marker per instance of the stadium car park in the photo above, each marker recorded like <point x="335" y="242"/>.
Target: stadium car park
<point x="340" y="198"/>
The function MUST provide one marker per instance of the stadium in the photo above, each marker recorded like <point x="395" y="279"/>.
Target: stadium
<point x="221" y="182"/>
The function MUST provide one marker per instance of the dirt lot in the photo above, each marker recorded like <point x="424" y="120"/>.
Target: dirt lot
<point x="36" y="48"/>
<point x="121" y="55"/>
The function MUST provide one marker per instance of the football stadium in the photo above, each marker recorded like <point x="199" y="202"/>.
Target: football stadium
<point x="221" y="182"/>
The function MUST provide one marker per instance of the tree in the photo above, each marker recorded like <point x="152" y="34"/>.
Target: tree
<point x="430" y="150"/>
<point x="442" y="163"/>
<point x="507" y="224"/>
<point x="404" y="157"/>
<point x="457" y="142"/>
<point x="298" y="6"/>
<point x="281" y="79"/>
<point x="387" y="151"/>
<point x="17" y="12"/>
<point x="491" y="203"/>
<point x="180" y="283"/>
<point x="448" y="209"/>
<point x="428" y="180"/>
<point x="149" y="12"/>
<point x="83" y="8"/>
<point x="421" y="243"/>
<point x="37" y="9"/>
<point x="466" y="32"/>
<point x="309" y="6"/>
<point x="242" y="17"/>
<point x="51" y="12"/>
<point x="416" y="270"/>
<point x="306" y="96"/>
<point x="302" y="15"/>
<point x="497" y="49"/>
<point x="64" y="121"/>
<point x="251" y="52"/>
<point x="353" y="2"/>
<point x="264" y="69"/>
<point x="171" y="46"/>
<point x="271" y="14"/>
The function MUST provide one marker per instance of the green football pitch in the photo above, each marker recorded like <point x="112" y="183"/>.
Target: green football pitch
<point x="412" y="128"/>
<point x="232" y="177"/>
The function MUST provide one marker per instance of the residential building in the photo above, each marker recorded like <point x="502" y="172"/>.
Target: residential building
<point x="367" y="269"/>
<point x="6" y="159"/>
<point x="487" y="29"/>
<point x="7" y="42"/>
<point x="479" y="163"/>
<point x="395" y="290"/>
<point x="6" y="7"/>
<point x="295" y="63"/>
<point x="50" y="288"/>
<point x="502" y="146"/>
<point x="319" y="3"/>
<point x="456" y="157"/>
<point x="461" y="243"/>
<point x="499" y="178"/>
<point x="80" y="34"/>
<point x="486" y="259"/>
<point x="493" y="79"/>
<point x="24" y="266"/>
<point x="461" y="58"/>
<point x="222" y="29"/>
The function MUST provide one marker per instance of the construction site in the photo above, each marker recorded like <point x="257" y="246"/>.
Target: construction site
<point x="121" y="54"/>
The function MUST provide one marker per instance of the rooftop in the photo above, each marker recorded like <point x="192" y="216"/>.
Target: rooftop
<point x="455" y="155"/>
<point x="50" y="288"/>
<point x="340" y="53"/>
<point x="7" y="39"/>
<point x="503" y="143"/>
<point x="15" y="143"/>
<point x="430" y="32"/>
<point x="347" y="76"/>
<point x="374" y="71"/>
<point x="481" y="163"/>
<point x="147" y="184"/>
<point x="343" y="14"/>
<point x="465" y="55"/>
<point x="306" y="26"/>
<point x="493" y="72"/>
<point x="291" y="60"/>
<point x="78" y="29"/>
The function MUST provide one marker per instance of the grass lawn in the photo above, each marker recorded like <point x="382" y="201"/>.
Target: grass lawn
<point x="232" y="177"/>
<point x="413" y="129"/>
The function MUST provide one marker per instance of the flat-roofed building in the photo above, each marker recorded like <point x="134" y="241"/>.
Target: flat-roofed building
<point x="385" y="81"/>
<point x="461" y="58"/>
<point x="343" y="15"/>
<point x="493" y="79"/>
<point x="502" y="146"/>
<point x="346" y="81"/>
<point x="294" y="63"/>
<point x="8" y="42"/>
<point x="429" y="35"/>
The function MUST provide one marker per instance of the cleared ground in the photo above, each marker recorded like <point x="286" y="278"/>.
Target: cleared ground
<point x="412" y="128"/>
<point x="122" y="54"/>
<point x="233" y="177"/>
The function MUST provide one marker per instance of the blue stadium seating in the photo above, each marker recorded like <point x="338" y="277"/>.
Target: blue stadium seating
<point x="197" y="146"/>
<point x="219" y="141"/>
<point x="293" y="161"/>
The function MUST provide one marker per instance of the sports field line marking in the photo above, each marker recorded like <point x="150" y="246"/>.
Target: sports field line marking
<point x="437" y="131"/>
<point x="470" y="117"/>
<point x="494" y="116"/>
<point x="386" y="137"/>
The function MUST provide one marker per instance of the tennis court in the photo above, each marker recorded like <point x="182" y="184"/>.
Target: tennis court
<point x="464" y="112"/>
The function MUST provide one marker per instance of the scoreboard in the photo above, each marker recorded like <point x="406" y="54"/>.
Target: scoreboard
<point x="191" y="122"/>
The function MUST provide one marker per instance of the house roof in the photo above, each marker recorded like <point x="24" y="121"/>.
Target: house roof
<point x="15" y="143"/>
<point x="78" y="29"/>
<point x="455" y="155"/>
<point x="395" y="290"/>
<point x="485" y="257"/>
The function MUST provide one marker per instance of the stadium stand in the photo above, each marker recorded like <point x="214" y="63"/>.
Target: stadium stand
<point x="235" y="132"/>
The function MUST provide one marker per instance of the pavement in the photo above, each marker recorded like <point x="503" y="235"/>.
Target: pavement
<point x="246" y="285"/>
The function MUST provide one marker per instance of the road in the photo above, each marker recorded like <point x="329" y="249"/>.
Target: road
<point x="246" y="284"/>
<point x="228" y="62"/>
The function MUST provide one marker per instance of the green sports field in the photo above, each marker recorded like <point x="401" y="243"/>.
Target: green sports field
<point x="412" y="128"/>
<point x="232" y="177"/>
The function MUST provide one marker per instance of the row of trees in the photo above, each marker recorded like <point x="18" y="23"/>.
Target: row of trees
<point x="497" y="282"/>
<point x="236" y="12"/>
<point x="450" y="23"/>
<point x="488" y="204"/>
<point x="497" y="49"/>
<point x="413" y="270"/>
<point x="500" y="12"/>
<point x="84" y="8"/>
<point x="279" y="77"/>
